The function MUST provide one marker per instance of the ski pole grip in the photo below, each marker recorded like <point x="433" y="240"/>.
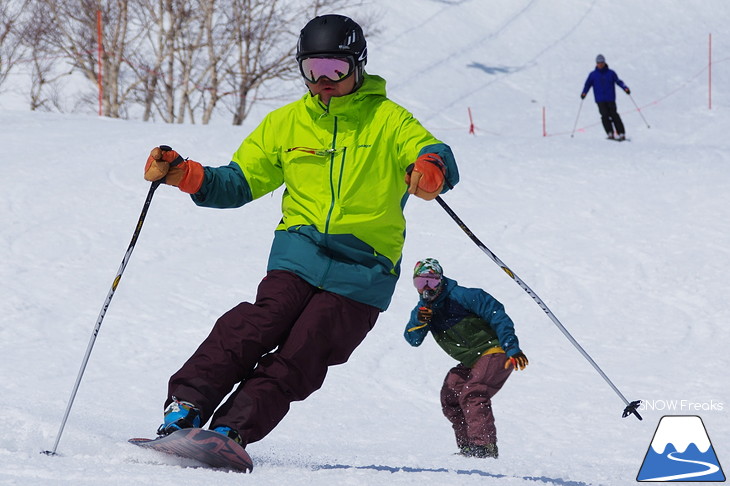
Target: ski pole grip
<point x="178" y="160"/>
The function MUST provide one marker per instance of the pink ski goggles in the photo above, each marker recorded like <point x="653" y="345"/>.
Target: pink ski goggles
<point x="423" y="281"/>
<point x="333" y="68"/>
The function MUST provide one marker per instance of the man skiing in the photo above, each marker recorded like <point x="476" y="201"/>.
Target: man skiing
<point x="603" y="81"/>
<point x="348" y="157"/>
<point x="473" y="328"/>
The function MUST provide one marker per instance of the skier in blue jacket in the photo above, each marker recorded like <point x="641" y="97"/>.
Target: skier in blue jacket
<point x="603" y="81"/>
<point x="473" y="328"/>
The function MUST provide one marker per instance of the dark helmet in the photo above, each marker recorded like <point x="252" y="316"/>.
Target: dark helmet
<point x="335" y="35"/>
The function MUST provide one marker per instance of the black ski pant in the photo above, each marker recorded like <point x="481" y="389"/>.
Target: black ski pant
<point x="277" y="350"/>
<point x="610" y="117"/>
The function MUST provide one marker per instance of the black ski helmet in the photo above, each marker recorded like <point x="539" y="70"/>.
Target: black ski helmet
<point x="334" y="35"/>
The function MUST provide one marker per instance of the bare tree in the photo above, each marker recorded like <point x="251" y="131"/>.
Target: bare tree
<point x="10" y="40"/>
<point x="263" y="46"/>
<point x="199" y="54"/>
<point x="169" y="56"/>
<point x="44" y="63"/>
<point x="153" y="48"/>
<point x="263" y="36"/>
<point x="72" y="31"/>
<point x="209" y="84"/>
<point x="221" y="52"/>
<point x="176" y="60"/>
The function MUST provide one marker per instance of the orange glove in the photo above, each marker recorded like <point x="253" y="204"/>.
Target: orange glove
<point x="425" y="177"/>
<point x="166" y="164"/>
<point x="518" y="361"/>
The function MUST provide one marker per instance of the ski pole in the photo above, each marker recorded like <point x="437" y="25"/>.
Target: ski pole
<point x="639" y="110"/>
<point x="576" y="118"/>
<point x="630" y="407"/>
<point x="104" y="308"/>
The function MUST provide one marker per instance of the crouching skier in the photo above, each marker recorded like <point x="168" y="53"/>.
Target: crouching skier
<point x="473" y="328"/>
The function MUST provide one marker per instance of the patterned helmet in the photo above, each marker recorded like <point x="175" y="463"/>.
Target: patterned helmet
<point x="428" y="266"/>
<point x="428" y="278"/>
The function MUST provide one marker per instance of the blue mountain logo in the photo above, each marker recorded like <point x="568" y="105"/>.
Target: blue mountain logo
<point x="681" y="451"/>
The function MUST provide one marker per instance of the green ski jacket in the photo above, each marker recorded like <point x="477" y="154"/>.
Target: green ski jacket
<point x="343" y="165"/>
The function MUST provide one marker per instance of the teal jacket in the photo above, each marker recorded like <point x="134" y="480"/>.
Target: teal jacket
<point x="342" y="227"/>
<point x="466" y="323"/>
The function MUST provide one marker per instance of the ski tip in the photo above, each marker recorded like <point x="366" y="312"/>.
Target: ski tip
<point x="136" y="440"/>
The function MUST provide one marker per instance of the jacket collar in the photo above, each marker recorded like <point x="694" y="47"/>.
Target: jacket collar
<point x="342" y="105"/>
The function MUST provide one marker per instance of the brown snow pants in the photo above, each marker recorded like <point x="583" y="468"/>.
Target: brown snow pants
<point x="277" y="350"/>
<point x="466" y="399"/>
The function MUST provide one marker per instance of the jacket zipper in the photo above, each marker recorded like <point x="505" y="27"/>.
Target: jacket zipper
<point x="332" y="201"/>
<point x="332" y="183"/>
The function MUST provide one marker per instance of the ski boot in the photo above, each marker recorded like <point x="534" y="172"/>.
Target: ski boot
<point x="179" y="415"/>
<point x="480" y="451"/>
<point x="229" y="432"/>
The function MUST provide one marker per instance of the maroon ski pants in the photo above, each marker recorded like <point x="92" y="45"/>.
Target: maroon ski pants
<point x="466" y="399"/>
<point x="276" y="350"/>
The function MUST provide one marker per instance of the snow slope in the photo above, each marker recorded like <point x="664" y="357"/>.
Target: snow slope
<point x="629" y="245"/>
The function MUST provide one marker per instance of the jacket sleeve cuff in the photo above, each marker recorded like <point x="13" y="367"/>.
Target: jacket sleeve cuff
<point x="193" y="178"/>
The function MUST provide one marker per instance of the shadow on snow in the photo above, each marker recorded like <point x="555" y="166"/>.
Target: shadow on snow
<point x="469" y="472"/>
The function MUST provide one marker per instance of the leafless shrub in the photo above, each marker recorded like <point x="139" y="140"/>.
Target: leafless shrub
<point x="173" y="60"/>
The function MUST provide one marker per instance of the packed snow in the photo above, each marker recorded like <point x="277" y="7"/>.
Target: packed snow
<point x="627" y="243"/>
